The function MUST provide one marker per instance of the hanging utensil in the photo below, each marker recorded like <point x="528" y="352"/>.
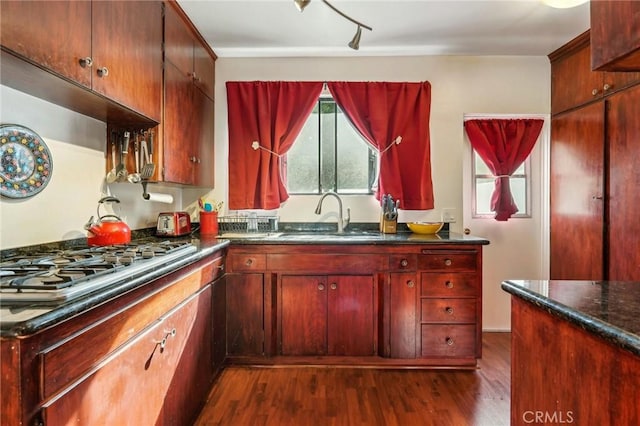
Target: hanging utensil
<point x="124" y="150"/>
<point x="149" y="167"/>
<point x="113" y="173"/>
<point x="136" y="177"/>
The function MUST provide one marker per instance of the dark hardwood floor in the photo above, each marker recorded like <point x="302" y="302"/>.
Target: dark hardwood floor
<point x="365" y="396"/>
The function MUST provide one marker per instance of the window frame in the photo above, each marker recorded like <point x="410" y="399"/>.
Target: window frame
<point x="372" y="155"/>
<point x="527" y="214"/>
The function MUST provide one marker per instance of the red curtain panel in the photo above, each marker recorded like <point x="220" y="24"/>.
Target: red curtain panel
<point x="273" y="114"/>
<point x="503" y="144"/>
<point x="382" y="111"/>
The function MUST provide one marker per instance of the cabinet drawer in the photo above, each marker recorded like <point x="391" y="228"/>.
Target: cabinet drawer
<point x="403" y="262"/>
<point x="449" y="285"/>
<point x="448" y="310"/>
<point x="246" y="262"/>
<point x="448" y="341"/>
<point x="448" y="260"/>
<point x="336" y="263"/>
<point x="67" y="359"/>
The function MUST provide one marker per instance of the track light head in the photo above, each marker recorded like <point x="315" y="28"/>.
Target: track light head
<point x="301" y="4"/>
<point x="355" y="42"/>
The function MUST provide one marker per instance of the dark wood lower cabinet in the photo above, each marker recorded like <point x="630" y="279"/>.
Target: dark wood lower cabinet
<point x="404" y="305"/>
<point x="327" y="315"/>
<point x="145" y="357"/>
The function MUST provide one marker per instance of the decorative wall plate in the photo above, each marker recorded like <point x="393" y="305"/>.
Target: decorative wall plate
<point x="25" y="162"/>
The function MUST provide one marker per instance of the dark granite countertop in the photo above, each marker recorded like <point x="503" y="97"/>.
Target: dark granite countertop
<point x="26" y="319"/>
<point x="609" y="310"/>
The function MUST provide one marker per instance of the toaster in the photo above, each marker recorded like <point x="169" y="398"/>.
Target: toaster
<point x="173" y="224"/>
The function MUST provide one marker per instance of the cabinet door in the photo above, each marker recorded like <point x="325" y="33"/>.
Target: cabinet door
<point x="350" y="315"/>
<point x="615" y="35"/>
<point x="146" y="382"/>
<point x="245" y="314"/>
<point x="127" y="42"/>
<point x="178" y="41"/>
<point x="623" y="128"/>
<point x="203" y="150"/>
<point x="40" y="31"/>
<point x="572" y="81"/>
<point x="577" y="194"/>
<point x="303" y="319"/>
<point x="180" y="135"/>
<point x="402" y="315"/>
<point x="219" y="317"/>
<point x="203" y="70"/>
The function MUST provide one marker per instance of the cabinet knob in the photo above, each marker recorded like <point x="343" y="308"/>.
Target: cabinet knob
<point x="594" y="92"/>
<point x="448" y="262"/>
<point x="171" y="333"/>
<point x="320" y="287"/>
<point x="411" y="284"/>
<point x="334" y="286"/>
<point x="448" y="284"/>
<point x="404" y="263"/>
<point x="606" y="87"/>
<point x="449" y="310"/>
<point x="86" y="62"/>
<point x="449" y="341"/>
<point x="103" y="72"/>
<point x="162" y="343"/>
<point x="248" y="262"/>
<point x="597" y="197"/>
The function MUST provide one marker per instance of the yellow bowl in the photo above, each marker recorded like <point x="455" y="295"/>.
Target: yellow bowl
<point x="425" y="227"/>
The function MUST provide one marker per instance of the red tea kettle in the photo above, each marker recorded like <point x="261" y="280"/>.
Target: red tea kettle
<point x="109" y="229"/>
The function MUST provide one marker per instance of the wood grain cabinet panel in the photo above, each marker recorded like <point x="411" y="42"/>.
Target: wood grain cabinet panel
<point x="448" y="260"/>
<point x="102" y="46"/>
<point x="449" y="285"/>
<point x="449" y="341"/>
<point x="245" y="314"/>
<point x="403" y="318"/>
<point x="187" y="145"/>
<point x="448" y="310"/>
<point x="111" y="392"/>
<point x="327" y="315"/>
<point x="615" y="35"/>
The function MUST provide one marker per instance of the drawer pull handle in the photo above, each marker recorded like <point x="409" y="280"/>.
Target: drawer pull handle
<point x="448" y="262"/>
<point x="103" y="72"/>
<point x="86" y="62"/>
<point x="594" y="92"/>
<point x="449" y="310"/>
<point x="320" y="287"/>
<point x="334" y="286"/>
<point x="411" y="283"/>
<point x="404" y="263"/>
<point x="606" y="87"/>
<point x="449" y="341"/>
<point x="249" y="262"/>
<point x="448" y="284"/>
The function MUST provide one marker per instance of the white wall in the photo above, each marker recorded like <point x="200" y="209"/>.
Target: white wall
<point x="77" y="144"/>
<point x="459" y="85"/>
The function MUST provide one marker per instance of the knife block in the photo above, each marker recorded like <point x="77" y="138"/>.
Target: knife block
<point x="388" y="226"/>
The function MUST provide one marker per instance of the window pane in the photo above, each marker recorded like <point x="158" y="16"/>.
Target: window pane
<point x="303" y="159"/>
<point x="484" y="190"/>
<point x="353" y="158"/>
<point x="481" y="167"/>
<point x="327" y="145"/>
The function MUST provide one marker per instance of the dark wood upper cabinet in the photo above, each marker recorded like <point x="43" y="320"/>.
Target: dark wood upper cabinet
<point x="98" y="58"/>
<point x="574" y="84"/>
<point x="615" y="35"/>
<point x="187" y="141"/>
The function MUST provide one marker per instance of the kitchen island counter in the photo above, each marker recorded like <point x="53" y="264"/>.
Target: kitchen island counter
<point x="575" y="352"/>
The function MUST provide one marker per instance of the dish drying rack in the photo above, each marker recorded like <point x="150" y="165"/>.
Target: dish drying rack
<point x="247" y="224"/>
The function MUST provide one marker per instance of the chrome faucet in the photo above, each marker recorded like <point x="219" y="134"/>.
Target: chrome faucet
<point x="342" y="223"/>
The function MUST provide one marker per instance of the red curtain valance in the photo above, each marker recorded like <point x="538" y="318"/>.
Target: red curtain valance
<point x="273" y="114"/>
<point x="382" y="111"/>
<point x="503" y="144"/>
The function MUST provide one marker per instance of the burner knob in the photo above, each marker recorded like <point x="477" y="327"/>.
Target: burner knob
<point x="110" y="258"/>
<point x="126" y="260"/>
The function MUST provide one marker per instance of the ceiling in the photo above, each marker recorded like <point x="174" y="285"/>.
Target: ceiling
<point x="275" y="28"/>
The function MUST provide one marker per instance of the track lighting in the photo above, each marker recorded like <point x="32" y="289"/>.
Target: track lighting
<point x="355" y="42"/>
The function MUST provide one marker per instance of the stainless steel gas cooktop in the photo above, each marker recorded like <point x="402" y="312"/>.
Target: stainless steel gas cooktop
<point x="59" y="276"/>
